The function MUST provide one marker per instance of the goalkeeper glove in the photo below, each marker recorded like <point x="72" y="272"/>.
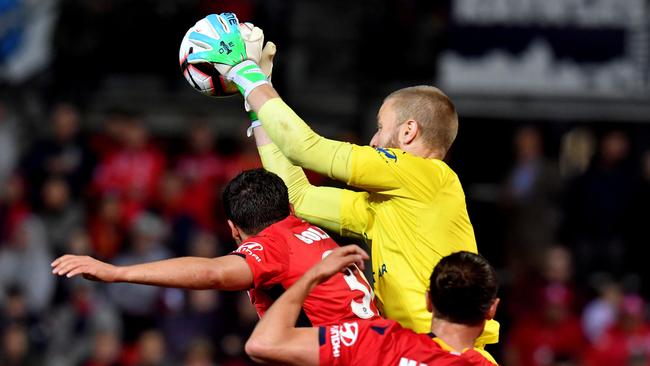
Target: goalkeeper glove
<point x="226" y="50"/>
<point x="253" y="39"/>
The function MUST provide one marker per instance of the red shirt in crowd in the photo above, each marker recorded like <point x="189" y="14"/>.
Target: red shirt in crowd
<point x="280" y="254"/>
<point x="538" y="342"/>
<point x="384" y="342"/>
<point x="132" y="176"/>
<point x="618" y="346"/>
<point x="201" y="174"/>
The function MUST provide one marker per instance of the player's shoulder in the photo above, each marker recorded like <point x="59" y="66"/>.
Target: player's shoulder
<point x="478" y="356"/>
<point x="475" y="356"/>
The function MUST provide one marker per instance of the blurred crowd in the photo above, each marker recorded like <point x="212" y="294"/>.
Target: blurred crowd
<point x="573" y="237"/>
<point x="124" y="197"/>
<point x="571" y="259"/>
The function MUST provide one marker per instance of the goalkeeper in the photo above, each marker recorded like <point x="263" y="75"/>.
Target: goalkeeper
<point x="412" y="210"/>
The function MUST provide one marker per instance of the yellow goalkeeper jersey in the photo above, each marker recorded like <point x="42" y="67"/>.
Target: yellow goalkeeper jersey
<point x="413" y="213"/>
<point x="412" y="210"/>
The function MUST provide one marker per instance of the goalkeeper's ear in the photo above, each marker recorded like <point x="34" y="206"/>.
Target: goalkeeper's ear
<point x="266" y="61"/>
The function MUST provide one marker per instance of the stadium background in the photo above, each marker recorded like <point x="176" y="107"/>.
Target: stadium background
<point x="105" y="150"/>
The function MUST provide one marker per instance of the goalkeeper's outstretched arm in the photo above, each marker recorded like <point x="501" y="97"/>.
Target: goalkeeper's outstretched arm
<point x="318" y="205"/>
<point x="299" y="143"/>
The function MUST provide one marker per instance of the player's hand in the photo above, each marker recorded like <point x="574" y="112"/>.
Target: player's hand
<point x="225" y="50"/>
<point x="253" y="37"/>
<point x="339" y="260"/>
<point x="90" y="268"/>
<point x="266" y="59"/>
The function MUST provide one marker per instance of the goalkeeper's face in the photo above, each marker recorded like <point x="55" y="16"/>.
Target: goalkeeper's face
<point x="388" y="127"/>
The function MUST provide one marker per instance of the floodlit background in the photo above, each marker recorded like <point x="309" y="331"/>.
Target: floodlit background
<point x="105" y="150"/>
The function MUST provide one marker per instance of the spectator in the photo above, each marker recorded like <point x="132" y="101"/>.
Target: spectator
<point x="598" y="208"/>
<point x="576" y="151"/>
<point x="28" y="249"/>
<point x="202" y="315"/>
<point x="60" y="213"/>
<point x="75" y="323"/>
<point x="531" y="193"/>
<point x="8" y="144"/>
<point x="528" y="293"/>
<point x="628" y="341"/>
<point x="105" y="229"/>
<point x="106" y="142"/>
<point x="150" y="350"/>
<point x="15" y="311"/>
<point x="601" y="313"/>
<point x="138" y="303"/>
<point x="132" y="172"/>
<point x="63" y="154"/>
<point x="16" y="348"/>
<point x="106" y="350"/>
<point x="549" y="337"/>
<point x="202" y="172"/>
<point x="200" y="353"/>
<point x="201" y="319"/>
<point x="13" y="207"/>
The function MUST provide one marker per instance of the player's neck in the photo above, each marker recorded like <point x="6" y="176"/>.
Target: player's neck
<point x="418" y="149"/>
<point x="457" y="336"/>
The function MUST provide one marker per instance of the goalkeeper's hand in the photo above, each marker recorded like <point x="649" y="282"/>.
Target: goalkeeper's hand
<point x="225" y="50"/>
<point x="253" y="37"/>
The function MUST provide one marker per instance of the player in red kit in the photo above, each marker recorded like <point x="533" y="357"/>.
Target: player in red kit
<point x="462" y="297"/>
<point x="275" y="249"/>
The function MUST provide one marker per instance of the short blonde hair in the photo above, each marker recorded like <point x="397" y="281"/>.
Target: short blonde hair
<point x="431" y="109"/>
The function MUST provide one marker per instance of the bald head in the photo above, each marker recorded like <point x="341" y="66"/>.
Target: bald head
<point x="432" y="110"/>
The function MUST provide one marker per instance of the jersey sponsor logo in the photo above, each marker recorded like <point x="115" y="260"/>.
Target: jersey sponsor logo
<point x="250" y="248"/>
<point x="406" y="362"/>
<point x="345" y="334"/>
<point x="382" y="271"/>
<point x="387" y="153"/>
<point x="349" y="333"/>
<point x="311" y="235"/>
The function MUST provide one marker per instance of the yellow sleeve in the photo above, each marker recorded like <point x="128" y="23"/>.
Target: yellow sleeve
<point x="339" y="210"/>
<point x="395" y="172"/>
<point x="301" y="145"/>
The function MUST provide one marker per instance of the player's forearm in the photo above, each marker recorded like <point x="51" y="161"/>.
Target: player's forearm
<point x="296" y="140"/>
<point x="185" y="272"/>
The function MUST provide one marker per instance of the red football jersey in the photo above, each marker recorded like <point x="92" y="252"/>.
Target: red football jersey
<point x="384" y="342"/>
<point x="280" y="254"/>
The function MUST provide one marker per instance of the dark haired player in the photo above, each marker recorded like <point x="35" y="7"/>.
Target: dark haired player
<point x="462" y="297"/>
<point x="275" y="249"/>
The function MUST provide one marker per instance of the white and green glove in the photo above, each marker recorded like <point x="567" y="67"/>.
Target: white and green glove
<point x="227" y="51"/>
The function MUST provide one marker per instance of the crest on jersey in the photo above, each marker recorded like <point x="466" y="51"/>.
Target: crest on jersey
<point x="387" y="153"/>
<point x="249" y="248"/>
